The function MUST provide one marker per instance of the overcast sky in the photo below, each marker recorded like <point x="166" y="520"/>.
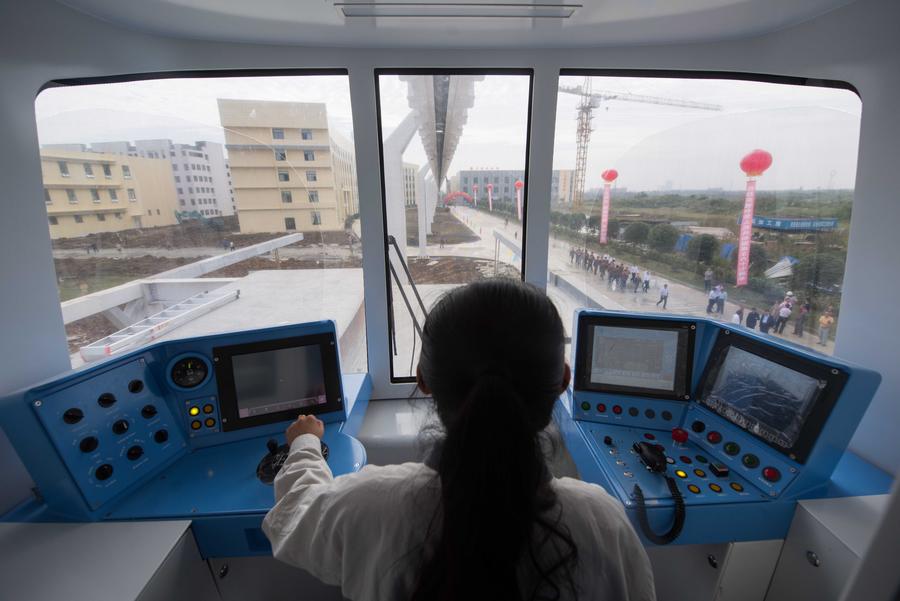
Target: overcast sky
<point x="811" y="132"/>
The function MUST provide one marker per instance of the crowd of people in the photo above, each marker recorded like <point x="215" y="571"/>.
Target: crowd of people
<point x="776" y="318"/>
<point x="618" y="275"/>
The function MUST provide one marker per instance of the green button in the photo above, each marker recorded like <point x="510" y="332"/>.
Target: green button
<point x="585" y="406"/>
<point x="750" y="460"/>
<point x="732" y="448"/>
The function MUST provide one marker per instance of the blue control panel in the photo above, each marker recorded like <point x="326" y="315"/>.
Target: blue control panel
<point x="185" y="429"/>
<point x="741" y="424"/>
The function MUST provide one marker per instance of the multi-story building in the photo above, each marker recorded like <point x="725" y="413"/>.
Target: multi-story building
<point x="200" y="172"/>
<point x="504" y="183"/>
<point x="90" y="192"/>
<point x="289" y="171"/>
<point x="410" y="177"/>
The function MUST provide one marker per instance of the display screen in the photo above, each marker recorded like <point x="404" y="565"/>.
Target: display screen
<point x="278" y="380"/>
<point x="763" y="397"/>
<point x="634" y="358"/>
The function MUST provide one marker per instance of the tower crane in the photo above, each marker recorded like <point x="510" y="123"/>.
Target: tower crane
<point x="591" y="100"/>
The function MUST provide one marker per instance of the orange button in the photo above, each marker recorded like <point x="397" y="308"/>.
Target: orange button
<point x="195" y="425"/>
<point x="736" y="486"/>
<point x="210" y="422"/>
<point x="715" y="487"/>
<point x="700" y="473"/>
<point x="694" y="488"/>
<point x="208" y="408"/>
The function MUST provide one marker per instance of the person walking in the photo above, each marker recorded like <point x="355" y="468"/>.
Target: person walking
<point x="801" y="319"/>
<point x="646" y="281"/>
<point x="738" y="316"/>
<point x="826" y="322"/>
<point x="720" y="301"/>
<point x="784" y="315"/>
<point x="663" y="296"/>
<point x="707" y="279"/>
<point x="711" y="298"/>
<point x="752" y="318"/>
<point x="765" y="323"/>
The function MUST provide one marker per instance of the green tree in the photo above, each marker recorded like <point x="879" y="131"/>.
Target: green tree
<point x="663" y="237"/>
<point x="703" y="248"/>
<point x="818" y="272"/>
<point x="637" y="233"/>
<point x="612" y="229"/>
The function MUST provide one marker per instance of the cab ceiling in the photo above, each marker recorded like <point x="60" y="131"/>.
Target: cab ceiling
<point x="592" y="23"/>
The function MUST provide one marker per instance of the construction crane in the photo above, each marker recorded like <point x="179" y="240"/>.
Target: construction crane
<point x="591" y="100"/>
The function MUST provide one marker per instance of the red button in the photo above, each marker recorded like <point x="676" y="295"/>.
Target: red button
<point x="685" y="459"/>
<point x="771" y="474"/>
<point x="679" y="435"/>
<point x="617" y="409"/>
<point x="714" y="437"/>
<point x="601" y="407"/>
<point x="649" y="436"/>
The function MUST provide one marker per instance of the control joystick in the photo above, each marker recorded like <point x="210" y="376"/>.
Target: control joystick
<point x="271" y="464"/>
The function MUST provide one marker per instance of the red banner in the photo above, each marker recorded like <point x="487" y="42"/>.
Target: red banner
<point x="519" y="202"/>
<point x="604" y="215"/>
<point x="475" y="195"/>
<point x="490" y="190"/>
<point x="743" y="262"/>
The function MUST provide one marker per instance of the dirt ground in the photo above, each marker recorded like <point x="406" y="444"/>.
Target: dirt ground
<point x="445" y="226"/>
<point x="457" y="270"/>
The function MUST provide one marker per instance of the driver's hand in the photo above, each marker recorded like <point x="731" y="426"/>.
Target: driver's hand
<point x="305" y="424"/>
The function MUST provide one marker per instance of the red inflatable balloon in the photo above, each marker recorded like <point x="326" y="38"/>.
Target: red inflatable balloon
<point x="519" y="184"/>
<point x="490" y="186"/>
<point x="610" y="175"/>
<point x="756" y="163"/>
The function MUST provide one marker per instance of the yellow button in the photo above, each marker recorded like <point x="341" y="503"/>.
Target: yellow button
<point x="736" y="486"/>
<point x="210" y="422"/>
<point x="208" y="408"/>
<point x="700" y="473"/>
<point x="694" y="488"/>
<point x="194" y="411"/>
<point x="195" y="425"/>
<point x="681" y="473"/>
<point x="715" y="487"/>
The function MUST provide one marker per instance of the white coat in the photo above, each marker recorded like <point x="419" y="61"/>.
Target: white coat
<point x="361" y="531"/>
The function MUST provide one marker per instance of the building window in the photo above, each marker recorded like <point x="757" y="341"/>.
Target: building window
<point x="284" y="175"/>
<point x="310" y="176"/>
<point x="157" y="211"/>
<point x="286" y="196"/>
<point x="47" y="198"/>
<point x="181" y="202"/>
<point x="174" y="167"/>
<point x="290" y="223"/>
<point x="309" y="155"/>
<point x="313" y="196"/>
<point x="73" y="199"/>
<point x="53" y="220"/>
<point x="101" y="217"/>
<point x="316" y="218"/>
<point x="190" y="190"/>
<point x="306" y="134"/>
<point x="181" y="190"/>
<point x="118" y="215"/>
<point x="63" y="168"/>
<point x="186" y="166"/>
<point x="113" y="195"/>
<point x="177" y="180"/>
<point x="131" y="195"/>
<point x="277" y="133"/>
<point x="78" y="219"/>
<point x="88" y="170"/>
<point x="107" y="172"/>
<point x="126" y="171"/>
<point x="280" y="154"/>
<point x="95" y="195"/>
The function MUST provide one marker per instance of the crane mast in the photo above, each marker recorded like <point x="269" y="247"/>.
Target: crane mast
<point x="591" y="100"/>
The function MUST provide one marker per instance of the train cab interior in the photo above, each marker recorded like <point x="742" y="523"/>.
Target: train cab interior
<point x="216" y="217"/>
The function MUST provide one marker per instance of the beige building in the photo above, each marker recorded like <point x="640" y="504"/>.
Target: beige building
<point x="410" y="175"/>
<point x="564" y="185"/>
<point x="289" y="172"/>
<point x="89" y="192"/>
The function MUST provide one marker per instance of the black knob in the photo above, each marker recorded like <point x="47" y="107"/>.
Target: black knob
<point x="120" y="427"/>
<point x="135" y="453"/>
<point x="103" y="472"/>
<point x="89" y="444"/>
<point x="698" y="426"/>
<point x="633" y="411"/>
<point x="135" y="386"/>
<point x="73" y="415"/>
<point x="607" y="440"/>
<point x="272" y="445"/>
<point x="148" y="411"/>
<point x="106" y="400"/>
<point x="161" y="436"/>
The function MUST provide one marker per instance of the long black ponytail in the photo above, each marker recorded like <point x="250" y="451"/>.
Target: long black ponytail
<point x="492" y="356"/>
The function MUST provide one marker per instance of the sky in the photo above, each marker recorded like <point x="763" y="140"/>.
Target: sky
<point x="811" y="132"/>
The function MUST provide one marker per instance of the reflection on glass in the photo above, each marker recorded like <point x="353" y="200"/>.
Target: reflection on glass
<point x="454" y="176"/>
<point x="655" y="177"/>
<point x="202" y="205"/>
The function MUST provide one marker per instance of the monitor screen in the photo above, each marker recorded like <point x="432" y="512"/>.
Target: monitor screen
<point x="763" y="397"/>
<point x="277" y="380"/>
<point x="648" y="357"/>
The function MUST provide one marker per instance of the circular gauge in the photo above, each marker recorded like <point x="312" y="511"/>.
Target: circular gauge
<point x="189" y="372"/>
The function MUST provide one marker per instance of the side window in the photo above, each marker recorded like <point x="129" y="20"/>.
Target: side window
<point x="443" y="227"/>
<point x="311" y="176"/>
<point x="707" y="197"/>
<point x="290" y="224"/>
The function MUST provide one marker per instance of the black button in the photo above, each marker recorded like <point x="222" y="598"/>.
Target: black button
<point x="106" y="400"/>
<point x="135" y="452"/>
<point x="750" y="460"/>
<point x="148" y="411"/>
<point x="73" y="415"/>
<point x="719" y="470"/>
<point x="667" y="415"/>
<point x="698" y="426"/>
<point x="607" y="440"/>
<point x="88" y="444"/>
<point x="701" y="458"/>
<point x="135" y="386"/>
<point x="103" y="472"/>
<point x="161" y="436"/>
<point x="633" y="411"/>
<point x="120" y="427"/>
<point x="649" y="413"/>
